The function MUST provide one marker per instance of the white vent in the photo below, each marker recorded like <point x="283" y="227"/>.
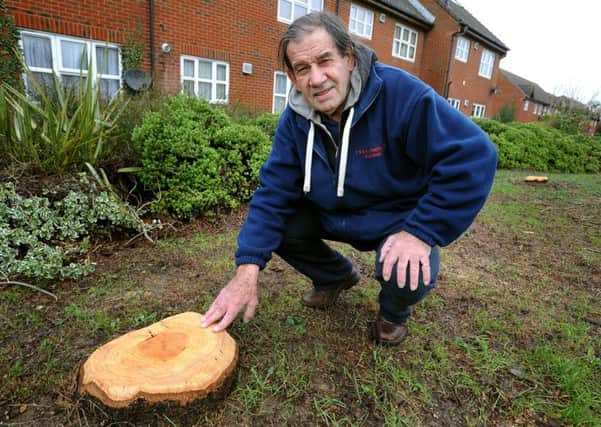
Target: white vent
<point x="466" y="102"/>
<point x="247" y="68"/>
<point x="382" y="17"/>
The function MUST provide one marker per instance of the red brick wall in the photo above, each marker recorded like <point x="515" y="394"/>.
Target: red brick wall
<point x="465" y="83"/>
<point x="383" y="35"/>
<point x="437" y="46"/>
<point x="108" y="20"/>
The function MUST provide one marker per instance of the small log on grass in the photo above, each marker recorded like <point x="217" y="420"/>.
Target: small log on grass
<point x="173" y="360"/>
<point x="535" y="178"/>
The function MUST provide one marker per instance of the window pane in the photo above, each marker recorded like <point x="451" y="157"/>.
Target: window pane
<point x="188" y="87"/>
<point x="405" y="35"/>
<point x="74" y="55"/>
<point x="353" y="13"/>
<point x="72" y="82"/>
<point x="413" y="38"/>
<point x="188" y="68"/>
<point x="404" y="50"/>
<point x="411" y="52"/>
<point x="299" y="11"/>
<point x="315" y="5"/>
<point x="204" y="90"/>
<point x="37" y="51"/>
<point x="204" y="70"/>
<point x="220" y="89"/>
<point x="108" y="88"/>
<point x="221" y="72"/>
<point x="397" y="33"/>
<point x="280" y="84"/>
<point x="279" y="104"/>
<point x="107" y="60"/>
<point x="45" y="80"/>
<point x="285" y="9"/>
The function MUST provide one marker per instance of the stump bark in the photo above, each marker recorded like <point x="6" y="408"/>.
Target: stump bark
<point x="173" y="360"/>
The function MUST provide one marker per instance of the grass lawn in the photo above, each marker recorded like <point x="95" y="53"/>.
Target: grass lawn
<point x="511" y="336"/>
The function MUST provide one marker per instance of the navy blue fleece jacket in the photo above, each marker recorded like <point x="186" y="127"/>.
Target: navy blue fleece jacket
<point x="414" y="163"/>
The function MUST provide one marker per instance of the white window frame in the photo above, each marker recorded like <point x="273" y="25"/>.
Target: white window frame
<point x="196" y="79"/>
<point x="526" y="105"/>
<point x="462" y="50"/>
<point x="487" y="62"/>
<point x="478" y="110"/>
<point x="57" y="58"/>
<point x="277" y="95"/>
<point x="455" y="103"/>
<point x="294" y="5"/>
<point x="397" y="43"/>
<point x="368" y="27"/>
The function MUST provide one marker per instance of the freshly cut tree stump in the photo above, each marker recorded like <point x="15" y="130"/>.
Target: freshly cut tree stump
<point x="173" y="360"/>
<point x="534" y="178"/>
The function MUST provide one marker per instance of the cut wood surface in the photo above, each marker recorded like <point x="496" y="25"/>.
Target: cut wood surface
<point x="535" y="178"/>
<point x="171" y="360"/>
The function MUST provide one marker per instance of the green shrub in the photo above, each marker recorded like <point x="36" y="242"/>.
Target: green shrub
<point x="196" y="159"/>
<point x="43" y="239"/>
<point x="56" y="129"/>
<point x="267" y="122"/>
<point x="541" y="147"/>
<point x="506" y="114"/>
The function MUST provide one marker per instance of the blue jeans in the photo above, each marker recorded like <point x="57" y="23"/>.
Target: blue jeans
<point x="304" y="249"/>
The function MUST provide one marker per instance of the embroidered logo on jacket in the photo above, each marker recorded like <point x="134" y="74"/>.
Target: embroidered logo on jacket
<point x="371" y="152"/>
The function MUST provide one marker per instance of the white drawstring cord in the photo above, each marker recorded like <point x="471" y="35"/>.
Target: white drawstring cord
<point x="309" y="158"/>
<point x="344" y="153"/>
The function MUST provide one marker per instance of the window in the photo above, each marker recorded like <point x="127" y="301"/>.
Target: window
<point x="205" y="78"/>
<point x="289" y="10"/>
<point x="404" y="44"/>
<point x="71" y="59"/>
<point x="486" y="63"/>
<point x="463" y="49"/>
<point x="478" y="110"/>
<point x="455" y="103"/>
<point x="526" y="105"/>
<point x="361" y="21"/>
<point x="281" y="88"/>
<point x="538" y="109"/>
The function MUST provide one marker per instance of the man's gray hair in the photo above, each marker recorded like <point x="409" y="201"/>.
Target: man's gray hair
<point x="307" y="24"/>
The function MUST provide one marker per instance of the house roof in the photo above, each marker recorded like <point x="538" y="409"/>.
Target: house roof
<point x="411" y="10"/>
<point x="473" y="27"/>
<point x="530" y="89"/>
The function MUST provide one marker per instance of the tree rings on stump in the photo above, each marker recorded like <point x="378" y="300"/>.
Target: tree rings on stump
<point x="173" y="360"/>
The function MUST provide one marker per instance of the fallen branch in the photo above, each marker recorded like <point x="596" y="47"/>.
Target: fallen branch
<point x="27" y="285"/>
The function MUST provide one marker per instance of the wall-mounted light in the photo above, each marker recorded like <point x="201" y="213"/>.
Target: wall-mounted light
<point x="382" y="17"/>
<point x="166" y="48"/>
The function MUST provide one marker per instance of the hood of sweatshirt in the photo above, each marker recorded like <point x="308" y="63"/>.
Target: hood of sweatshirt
<point x="364" y="58"/>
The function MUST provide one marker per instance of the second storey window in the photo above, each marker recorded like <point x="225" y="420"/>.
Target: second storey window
<point x="404" y="44"/>
<point x="361" y="21"/>
<point x="289" y="10"/>
<point x="281" y="88"/>
<point x="205" y="78"/>
<point x="463" y="49"/>
<point x="486" y="64"/>
<point x="71" y="59"/>
<point x="526" y="105"/>
<point x="455" y="103"/>
<point x="478" y="110"/>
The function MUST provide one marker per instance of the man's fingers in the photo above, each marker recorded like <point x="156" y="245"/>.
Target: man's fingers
<point x="251" y="308"/>
<point x="226" y="321"/>
<point x="426" y="273"/>
<point x="213" y="313"/>
<point x="414" y="273"/>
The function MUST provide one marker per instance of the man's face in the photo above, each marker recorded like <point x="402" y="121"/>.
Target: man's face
<point x="320" y="73"/>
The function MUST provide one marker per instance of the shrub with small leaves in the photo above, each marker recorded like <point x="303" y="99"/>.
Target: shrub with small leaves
<point x="196" y="159"/>
<point x="42" y="240"/>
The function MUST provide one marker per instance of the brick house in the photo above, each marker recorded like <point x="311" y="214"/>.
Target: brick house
<point x="226" y="51"/>
<point x="528" y="99"/>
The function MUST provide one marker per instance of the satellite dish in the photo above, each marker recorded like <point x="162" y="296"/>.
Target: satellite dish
<point x="137" y="79"/>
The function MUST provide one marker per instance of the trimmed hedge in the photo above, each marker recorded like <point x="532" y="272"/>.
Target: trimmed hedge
<point x="540" y="147"/>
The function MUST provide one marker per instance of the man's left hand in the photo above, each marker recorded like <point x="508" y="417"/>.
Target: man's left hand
<point x="405" y="249"/>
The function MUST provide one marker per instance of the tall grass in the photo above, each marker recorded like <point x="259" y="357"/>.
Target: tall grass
<point x="56" y="128"/>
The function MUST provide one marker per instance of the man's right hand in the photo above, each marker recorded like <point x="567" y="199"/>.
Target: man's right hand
<point x="241" y="291"/>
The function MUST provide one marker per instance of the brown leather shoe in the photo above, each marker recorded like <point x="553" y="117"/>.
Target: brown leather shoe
<point x="389" y="333"/>
<point x="323" y="299"/>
